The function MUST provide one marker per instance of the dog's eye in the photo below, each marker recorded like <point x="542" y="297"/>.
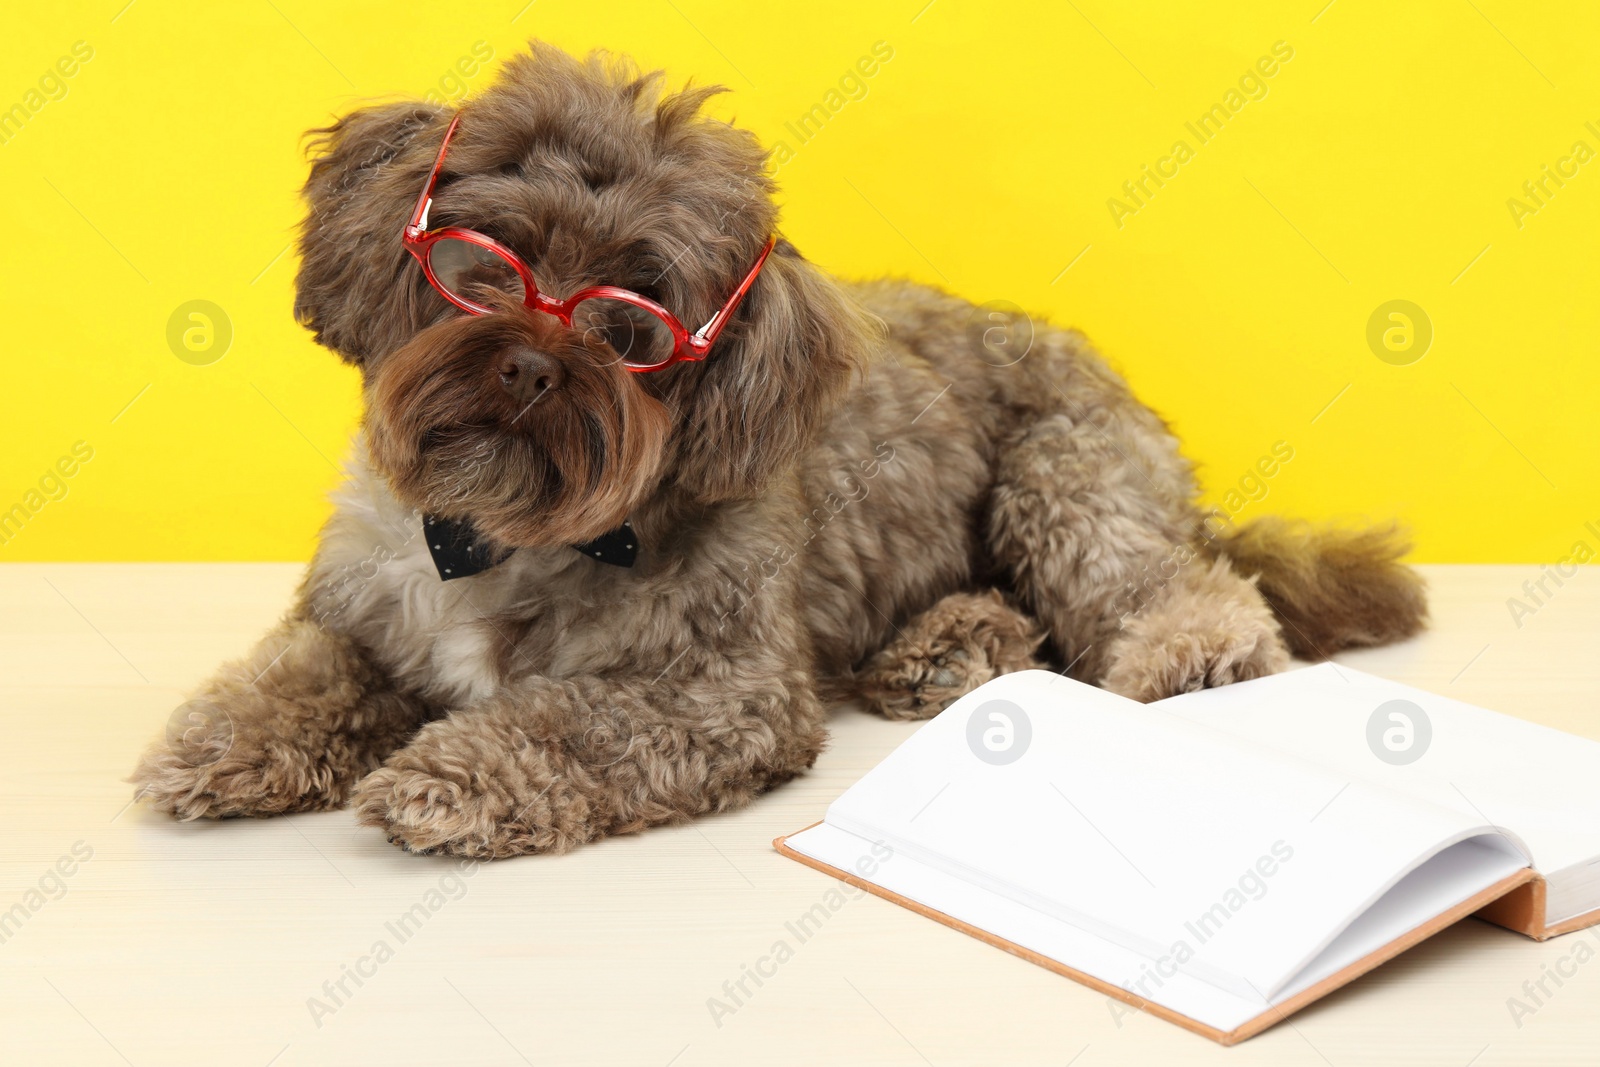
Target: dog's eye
<point x="512" y="169"/>
<point x="471" y="271"/>
<point x="634" y="334"/>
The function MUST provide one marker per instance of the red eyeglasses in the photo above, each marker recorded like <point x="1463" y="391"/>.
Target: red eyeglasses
<point x="462" y="264"/>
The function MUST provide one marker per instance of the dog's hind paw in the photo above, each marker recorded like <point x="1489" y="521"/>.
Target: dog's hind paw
<point x="1186" y="662"/>
<point x="946" y="652"/>
<point x="1215" y="632"/>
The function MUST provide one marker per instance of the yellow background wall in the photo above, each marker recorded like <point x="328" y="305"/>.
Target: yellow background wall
<point x="1377" y="166"/>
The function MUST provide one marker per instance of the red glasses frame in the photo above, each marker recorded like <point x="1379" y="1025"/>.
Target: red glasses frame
<point x="419" y="240"/>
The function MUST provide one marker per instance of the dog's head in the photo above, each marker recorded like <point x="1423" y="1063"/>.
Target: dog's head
<point x="535" y="430"/>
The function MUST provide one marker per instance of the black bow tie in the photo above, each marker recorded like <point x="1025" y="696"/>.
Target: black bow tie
<point x="459" y="551"/>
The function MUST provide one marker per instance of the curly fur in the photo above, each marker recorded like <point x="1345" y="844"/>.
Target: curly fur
<point x="1333" y="588"/>
<point x="847" y="499"/>
<point x="947" y="651"/>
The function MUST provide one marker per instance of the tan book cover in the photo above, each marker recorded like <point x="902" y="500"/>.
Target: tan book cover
<point x="1222" y="858"/>
<point x="1509" y="896"/>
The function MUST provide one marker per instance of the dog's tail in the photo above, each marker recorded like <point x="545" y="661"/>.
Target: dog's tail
<point x="1331" y="588"/>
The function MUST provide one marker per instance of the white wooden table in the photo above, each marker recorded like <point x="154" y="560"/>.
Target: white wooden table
<point x="226" y="943"/>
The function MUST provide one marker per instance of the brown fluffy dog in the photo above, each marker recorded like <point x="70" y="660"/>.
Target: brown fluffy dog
<point x="853" y="496"/>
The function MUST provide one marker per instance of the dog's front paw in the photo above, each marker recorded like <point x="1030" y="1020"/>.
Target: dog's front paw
<point x="291" y="727"/>
<point x="467" y="786"/>
<point x="215" y="764"/>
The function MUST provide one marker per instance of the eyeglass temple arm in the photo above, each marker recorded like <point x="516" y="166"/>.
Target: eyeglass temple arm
<point x="708" y="333"/>
<point x="419" y="216"/>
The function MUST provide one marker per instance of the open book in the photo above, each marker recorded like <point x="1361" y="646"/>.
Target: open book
<point x="1222" y="858"/>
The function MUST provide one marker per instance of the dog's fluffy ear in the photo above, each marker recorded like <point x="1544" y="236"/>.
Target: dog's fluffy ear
<point x="761" y="398"/>
<point x="366" y="172"/>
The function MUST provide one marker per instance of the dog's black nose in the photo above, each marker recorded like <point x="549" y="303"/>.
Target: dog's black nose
<point x="528" y="374"/>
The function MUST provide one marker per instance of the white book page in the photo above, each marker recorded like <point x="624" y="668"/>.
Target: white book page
<point x="1449" y="878"/>
<point x="1159" y="835"/>
<point x="1021" y="925"/>
<point x="1540" y="783"/>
